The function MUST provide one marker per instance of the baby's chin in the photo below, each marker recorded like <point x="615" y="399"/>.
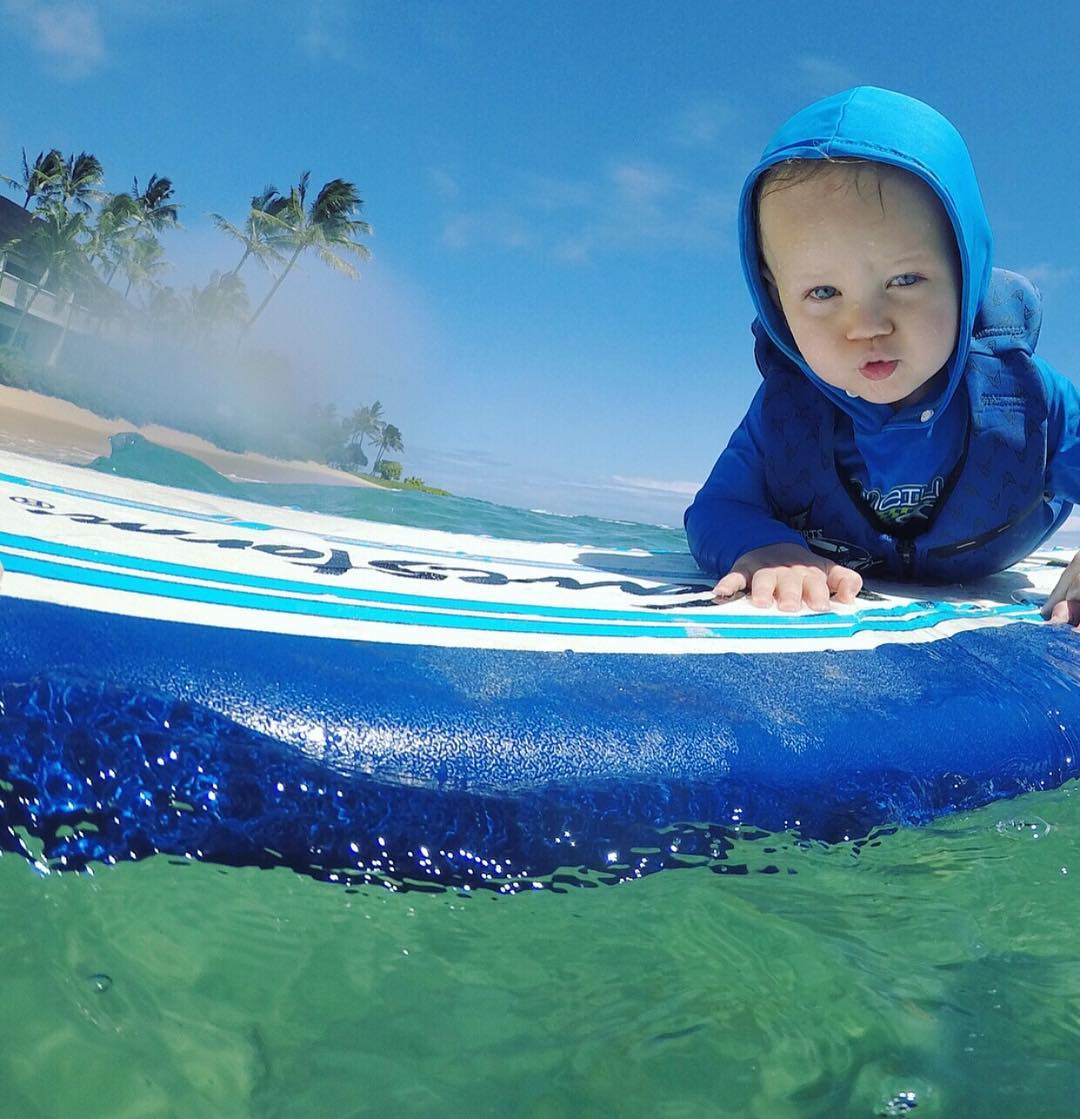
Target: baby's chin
<point x="893" y="391"/>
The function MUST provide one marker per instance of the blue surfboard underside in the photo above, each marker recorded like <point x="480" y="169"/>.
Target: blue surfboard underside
<point x="423" y="766"/>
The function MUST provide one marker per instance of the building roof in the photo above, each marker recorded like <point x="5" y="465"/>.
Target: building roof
<point x="14" y="220"/>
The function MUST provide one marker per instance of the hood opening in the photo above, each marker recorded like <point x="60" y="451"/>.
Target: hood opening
<point x="872" y="125"/>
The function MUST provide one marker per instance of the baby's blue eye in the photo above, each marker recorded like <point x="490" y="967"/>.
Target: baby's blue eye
<point x="820" y="294"/>
<point x="906" y="279"/>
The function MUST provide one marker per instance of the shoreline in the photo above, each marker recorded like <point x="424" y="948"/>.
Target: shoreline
<point x="50" y="428"/>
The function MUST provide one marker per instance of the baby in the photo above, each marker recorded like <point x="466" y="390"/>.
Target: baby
<point x="903" y="427"/>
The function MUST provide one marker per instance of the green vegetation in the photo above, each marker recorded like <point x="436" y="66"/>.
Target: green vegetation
<point x="154" y="354"/>
<point x="409" y="484"/>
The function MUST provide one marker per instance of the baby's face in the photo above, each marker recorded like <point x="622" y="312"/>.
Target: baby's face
<point x="862" y="261"/>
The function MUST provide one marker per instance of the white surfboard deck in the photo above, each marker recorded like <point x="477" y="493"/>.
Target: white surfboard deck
<point x="86" y="539"/>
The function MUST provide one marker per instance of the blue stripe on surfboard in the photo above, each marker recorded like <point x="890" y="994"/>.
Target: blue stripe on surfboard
<point x="356" y="542"/>
<point x="931" y="613"/>
<point x="736" y="629"/>
<point x="291" y="586"/>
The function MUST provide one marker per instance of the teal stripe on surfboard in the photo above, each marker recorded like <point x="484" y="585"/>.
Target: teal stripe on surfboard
<point x="483" y="618"/>
<point x="83" y="555"/>
<point x="933" y="612"/>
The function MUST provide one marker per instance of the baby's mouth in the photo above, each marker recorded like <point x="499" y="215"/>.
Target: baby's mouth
<point x="878" y="370"/>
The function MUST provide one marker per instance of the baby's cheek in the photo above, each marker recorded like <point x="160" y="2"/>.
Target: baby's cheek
<point x="820" y="358"/>
<point x="945" y="330"/>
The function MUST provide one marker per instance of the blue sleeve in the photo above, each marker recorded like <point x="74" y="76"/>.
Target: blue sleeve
<point x="730" y="514"/>
<point x="1062" y="434"/>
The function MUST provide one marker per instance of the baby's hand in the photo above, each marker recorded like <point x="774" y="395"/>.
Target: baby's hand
<point x="789" y="575"/>
<point x="1063" y="605"/>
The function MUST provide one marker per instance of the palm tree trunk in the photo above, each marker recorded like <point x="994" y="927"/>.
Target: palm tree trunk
<point x="243" y="261"/>
<point x="54" y="357"/>
<point x="270" y="294"/>
<point x="29" y="303"/>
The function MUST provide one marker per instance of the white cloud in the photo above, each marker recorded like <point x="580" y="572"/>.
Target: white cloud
<point x="444" y="184"/>
<point x="640" y="184"/>
<point x="701" y="123"/>
<point x="326" y="33"/>
<point x="496" y="226"/>
<point x="633" y="204"/>
<point x="1046" y="275"/>
<point x="824" y="73"/>
<point x="66" y="34"/>
<point x="548" y="192"/>
<point x="470" y="458"/>
<point x="572" y="250"/>
<point x="656" y="485"/>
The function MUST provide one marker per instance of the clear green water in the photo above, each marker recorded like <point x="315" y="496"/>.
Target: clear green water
<point x="942" y="961"/>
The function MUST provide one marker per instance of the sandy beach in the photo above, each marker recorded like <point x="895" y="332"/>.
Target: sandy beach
<point x="49" y="428"/>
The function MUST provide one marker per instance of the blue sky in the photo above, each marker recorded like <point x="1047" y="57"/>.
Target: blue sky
<point x="554" y="313"/>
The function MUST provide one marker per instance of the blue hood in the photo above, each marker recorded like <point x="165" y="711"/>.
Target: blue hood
<point x="886" y="127"/>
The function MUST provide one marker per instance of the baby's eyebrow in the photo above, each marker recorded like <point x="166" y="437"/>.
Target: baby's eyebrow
<point x="916" y="257"/>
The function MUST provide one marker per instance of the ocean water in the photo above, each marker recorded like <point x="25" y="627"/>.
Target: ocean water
<point x="922" y="972"/>
<point x="149" y="462"/>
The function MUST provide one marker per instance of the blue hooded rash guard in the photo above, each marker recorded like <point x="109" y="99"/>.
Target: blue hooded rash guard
<point x="899" y="460"/>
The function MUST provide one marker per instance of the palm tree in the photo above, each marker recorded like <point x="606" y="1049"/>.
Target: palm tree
<point x="167" y="309"/>
<point x="223" y="302"/>
<point x="112" y="232"/>
<point x="75" y="285"/>
<point x="75" y="186"/>
<point x="37" y="175"/>
<point x="144" y="261"/>
<point x="253" y="235"/>
<point x="154" y="208"/>
<point x="52" y="245"/>
<point x="364" y="423"/>
<point x="326" y="433"/>
<point x="326" y="227"/>
<point x="389" y="440"/>
<point x="123" y="222"/>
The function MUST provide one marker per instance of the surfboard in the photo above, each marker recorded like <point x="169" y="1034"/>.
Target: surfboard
<point x="206" y="677"/>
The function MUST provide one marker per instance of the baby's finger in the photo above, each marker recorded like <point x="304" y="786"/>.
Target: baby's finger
<point x="1068" y="586"/>
<point x="815" y="590"/>
<point x="844" y="583"/>
<point x="1066" y="612"/>
<point x="764" y="586"/>
<point x="797" y="584"/>
<point x="732" y="583"/>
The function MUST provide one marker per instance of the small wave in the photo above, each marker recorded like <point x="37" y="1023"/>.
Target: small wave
<point x="133" y="456"/>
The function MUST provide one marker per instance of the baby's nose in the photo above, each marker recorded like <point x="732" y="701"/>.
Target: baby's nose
<point x="868" y="320"/>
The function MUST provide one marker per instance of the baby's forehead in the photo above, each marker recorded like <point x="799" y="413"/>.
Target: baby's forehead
<point x="836" y="193"/>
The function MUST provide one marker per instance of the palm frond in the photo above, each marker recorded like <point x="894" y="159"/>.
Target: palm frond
<point x="337" y="199"/>
<point x="332" y="260"/>
<point x="225" y="226"/>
